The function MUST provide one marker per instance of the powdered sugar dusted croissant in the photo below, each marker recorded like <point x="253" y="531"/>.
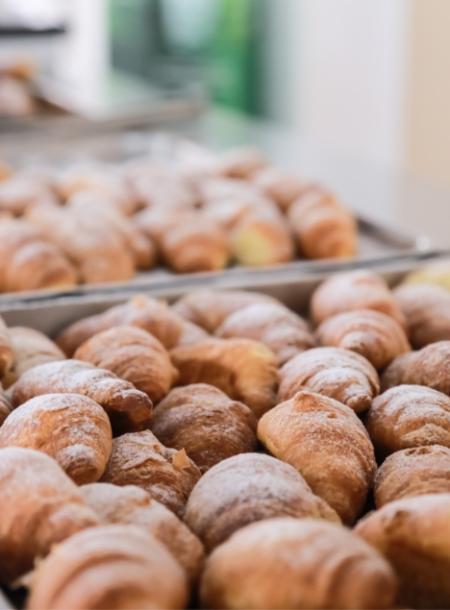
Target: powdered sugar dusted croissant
<point x="332" y="371"/>
<point x="128" y="408"/>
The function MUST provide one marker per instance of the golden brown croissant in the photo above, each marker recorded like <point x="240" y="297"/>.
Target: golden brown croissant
<point x="72" y="429"/>
<point x="413" y="472"/>
<point x="430" y="366"/>
<point x="168" y="475"/>
<point x="153" y="316"/>
<point x="322" y="226"/>
<point x="6" y="350"/>
<point x="241" y="162"/>
<point x="354" y="290"/>
<point x="409" y="416"/>
<point x="332" y="371"/>
<point x="372" y="334"/>
<point x="209" y="308"/>
<point x="246" y="488"/>
<point x="414" y="536"/>
<point x="427" y="312"/>
<point x="206" y="423"/>
<point x="29" y="262"/>
<point x="114" y="567"/>
<point x="40" y="507"/>
<point x="191" y="334"/>
<point x="283" y="331"/>
<point x="297" y="563"/>
<point x="327" y="444"/>
<point x="131" y="505"/>
<point x="30" y="348"/>
<point x="244" y="369"/>
<point x="132" y="354"/>
<point x="5" y="405"/>
<point x="128" y="408"/>
<point x="281" y="187"/>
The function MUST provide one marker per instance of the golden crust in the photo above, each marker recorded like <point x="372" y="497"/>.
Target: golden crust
<point x="206" y="423"/>
<point x="246" y="488"/>
<point x="296" y="563"/>
<point x="331" y="371"/>
<point x="414" y="536"/>
<point x="327" y="444"/>
<point x="130" y="569"/>
<point x="166" y="474"/>
<point x="245" y="370"/>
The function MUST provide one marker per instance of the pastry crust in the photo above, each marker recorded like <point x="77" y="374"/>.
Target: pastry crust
<point x="153" y="316"/>
<point x="327" y="444"/>
<point x="408" y="416"/>
<point x="6" y="351"/>
<point x="114" y="567"/>
<point x="331" y="371"/>
<point x="245" y="370"/>
<point x="168" y="475"/>
<point x="131" y="505"/>
<point x="72" y="429"/>
<point x="206" y="423"/>
<point x="372" y="334"/>
<point x="296" y="563"/>
<point x="40" y="507"/>
<point x="354" y="290"/>
<point x="132" y="354"/>
<point x="246" y="488"/>
<point x="128" y="408"/>
<point x="414" y="536"/>
<point x="191" y="334"/>
<point x="413" y="472"/>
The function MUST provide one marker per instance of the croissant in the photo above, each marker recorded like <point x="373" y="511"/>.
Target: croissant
<point x="297" y="563"/>
<point x="413" y="472"/>
<point x="30" y="348"/>
<point x="128" y="408"/>
<point x="430" y="366"/>
<point x="246" y="488"/>
<point x="231" y="205"/>
<point x="5" y="406"/>
<point x="281" y="187"/>
<point x="244" y="369"/>
<point x="6" y="350"/>
<point x="322" y="226"/>
<point x="131" y="505"/>
<point x="206" y="423"/>
<point x="241" y="162"/>
<point x="283" y="331"/>
<point x="331" y="371"/>
<point x="191" y="334"/>
<point x="168" y="475"/>
<point x="427" y="312"/>
<point x="209" y="308"/>
<point x="257" y="241"/>
<point x="327" y="444"/>
<point x="72" y="429"/>
<point x="354" y="290"/>
<point x="372" y="334"/>
<point x="114" y="567"/>
<point x="409" y="416"/>
<point x="151" y="315"/>
<point x="413" y="534"/>
<point x="20" y="192"/>
<point x="132" y="354"/>
<point x="28" y="262"/>
<point x="40" y="507"/>
<point x="156" y="221"/>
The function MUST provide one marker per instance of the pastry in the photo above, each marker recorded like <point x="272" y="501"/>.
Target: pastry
<point x="373" y="334"/>
<point x="414" y="536"/>
<point x="281" y="187"/>
<point x="206" y="423"/>
<point x="114" y="567"/>
<point x="133" y="354"/>
<point x="332" y="371"/>
<point x="242" y="162"/>
<point x="131" y="505"/>
<point x="20" y="192"/>
<point x="40" y="507"/>
<point x="328" y="445"/>
<point x="72" y="429"/>
<point x="297" y="563"/>
<point x="6" y="350"/>
<point x="230" y="210"/>
<point x="128" y="408"/>
<point x="168" y="475"/>
<point x="246" y="488"/>
<point x="191" y="334"/>
<point x="151" y="315"/>
<point x="244" y="369"/>
<point x="155" y="222"/>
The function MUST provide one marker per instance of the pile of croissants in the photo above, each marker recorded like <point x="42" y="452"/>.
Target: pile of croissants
<point x="199" y="211"/>
<point x="225" y="452"/>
